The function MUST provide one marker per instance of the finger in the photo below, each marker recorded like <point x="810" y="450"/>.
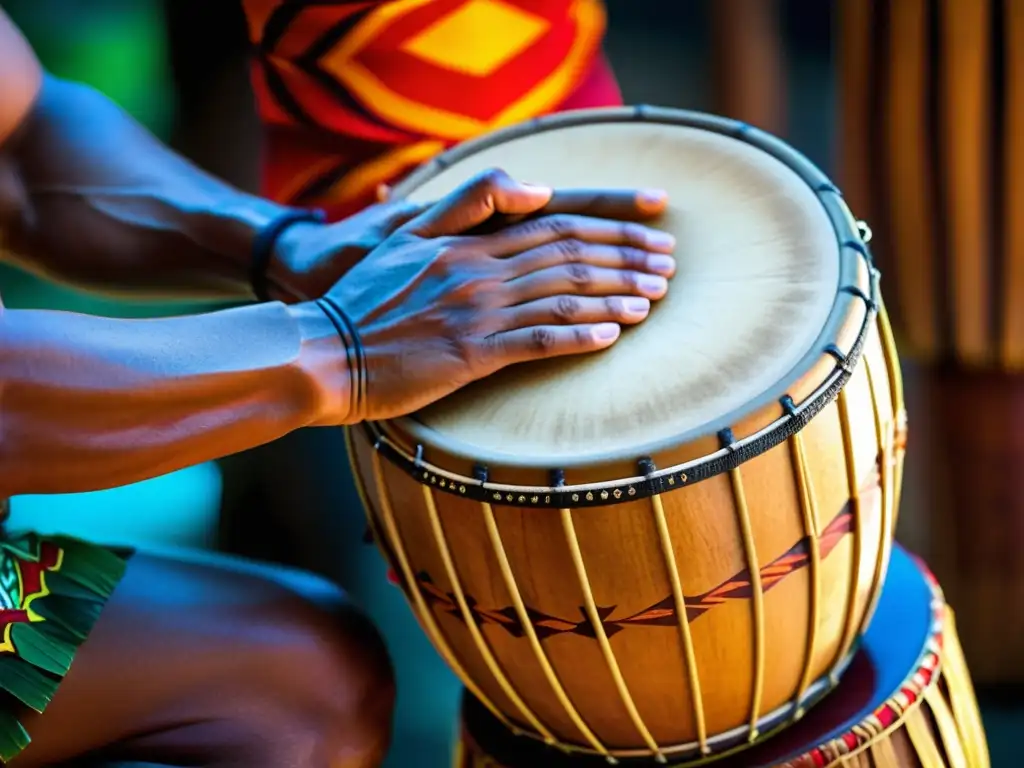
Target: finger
<point x="576" y="310"/>
<point x="534" y="233"/>
<point x="383" y="193"/>
<point x="578" y="252"/>
<point x="476" y="201"/>
<point x="624" y="204"/>
<point x="583" y="280"/>
<point x="620" y="204"/>
<point x="545" y="341"/>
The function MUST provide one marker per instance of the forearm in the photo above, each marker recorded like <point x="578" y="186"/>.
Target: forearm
<point x="89" y="403"/>
<point x="92" y="199"/>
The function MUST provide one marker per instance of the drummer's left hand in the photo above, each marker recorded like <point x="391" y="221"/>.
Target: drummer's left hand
<point x="310" y="258"/>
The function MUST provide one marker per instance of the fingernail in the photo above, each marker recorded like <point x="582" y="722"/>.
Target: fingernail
<point x="653" y="284"/>
<point x="637" y="306"/>
<point x="658" y="239"/>
<point x="537" y="189"/>
<point x="650" y="198"/>
<point x="606" y="331"/>
<point x="666" y="265"/>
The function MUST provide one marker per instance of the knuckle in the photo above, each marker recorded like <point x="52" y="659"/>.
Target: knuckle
<point x="614" y="307"/>
<point x="632" y="258"/>
<point x="579" y="275"/>
<point x="491" y="179"/>
<point x="567" y="307"/>
<point x="542" y="339"/>
<point x="569" y="250"/>
<point x="632" y="232"/>
<point x="560" y="225"/>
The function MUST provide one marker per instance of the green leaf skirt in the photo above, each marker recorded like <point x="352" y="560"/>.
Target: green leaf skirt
<point x="52" y="590"/>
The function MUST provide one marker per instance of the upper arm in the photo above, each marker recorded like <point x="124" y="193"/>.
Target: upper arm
<point x="21" y="77"/>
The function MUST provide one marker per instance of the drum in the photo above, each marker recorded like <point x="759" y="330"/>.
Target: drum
<point x="907" y="701"/>
<point x="672" y="546"/>
<point x="933" y="105"/>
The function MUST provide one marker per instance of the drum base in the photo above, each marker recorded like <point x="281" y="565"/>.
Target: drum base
<point x="972" y="440"/>
<point x="906" y="700"/>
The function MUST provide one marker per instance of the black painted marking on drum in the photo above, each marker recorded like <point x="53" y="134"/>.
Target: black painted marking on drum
<point x="727" y="439"/>
<point x="839" y="356"/>
<point x="943" y="285"/>
<point x="999" y="81"/>
<point x="646" y="466"/>
<point x="788" y="406"/>
<point x="861" y="247"/>
<point x="855" y="290"/>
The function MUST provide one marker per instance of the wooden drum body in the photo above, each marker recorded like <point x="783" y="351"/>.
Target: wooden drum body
<point x="673" y="546"/>
<point x="907" y="702"/>
<point x="933" y="113"/>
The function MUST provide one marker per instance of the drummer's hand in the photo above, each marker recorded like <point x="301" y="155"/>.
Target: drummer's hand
<point x="310" y="258"/>
<point x="436" y="311"/>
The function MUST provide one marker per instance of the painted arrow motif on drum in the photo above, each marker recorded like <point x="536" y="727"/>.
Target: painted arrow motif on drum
<point x="662" y="613"/>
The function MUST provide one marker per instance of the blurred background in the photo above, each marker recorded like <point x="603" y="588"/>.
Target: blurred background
<point x="181" y="67"/>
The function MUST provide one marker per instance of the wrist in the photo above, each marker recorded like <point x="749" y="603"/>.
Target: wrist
<point x="275" y="252"/>
<point x="289" y="259"/>
<point x="323" y="362"/>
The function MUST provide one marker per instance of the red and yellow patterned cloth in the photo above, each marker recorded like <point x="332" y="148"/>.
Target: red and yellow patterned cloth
<point x="357" y="94"/>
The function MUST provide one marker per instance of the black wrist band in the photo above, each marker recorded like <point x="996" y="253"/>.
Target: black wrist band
<point x="263" y="246"/>
<point x="354" y="352"/>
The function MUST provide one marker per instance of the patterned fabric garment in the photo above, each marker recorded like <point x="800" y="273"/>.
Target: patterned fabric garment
<point x="353" y="95"/>
<point x="52" y="590"/>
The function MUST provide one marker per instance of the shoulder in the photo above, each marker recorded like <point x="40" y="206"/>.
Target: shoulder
<point x="21" y="77"/>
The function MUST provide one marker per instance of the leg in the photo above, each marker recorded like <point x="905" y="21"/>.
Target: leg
<point x="310" y="504"/>
<point x="207" y="662"/>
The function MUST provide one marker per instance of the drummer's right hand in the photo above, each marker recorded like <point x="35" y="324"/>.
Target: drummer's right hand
<point x="435" y="312"/>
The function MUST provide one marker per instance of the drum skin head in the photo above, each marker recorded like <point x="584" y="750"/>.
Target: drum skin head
<point x="759" y="270"/>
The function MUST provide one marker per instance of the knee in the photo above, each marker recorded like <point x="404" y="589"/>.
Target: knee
<point x="336" y="672"/>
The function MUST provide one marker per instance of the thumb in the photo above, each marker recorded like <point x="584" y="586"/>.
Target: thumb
<point x="476" y="201"/>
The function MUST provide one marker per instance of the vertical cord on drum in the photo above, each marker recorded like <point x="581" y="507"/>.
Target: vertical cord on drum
<point x="372" y="516"/>
<point x="883" y="753"/>
<point x="531" y="633"/>
<point x="921" y="737"/>
<point x="689" y="656"/>
<point x="850" y="626"/>
<point x="809" y="511"/>
<point x="886" y="438"/>
<point x="590" y="606"/>
<point x="754" y="568"/>
<point x="961" y="695"/>
<point x="952" y="744"/>
<point x="899" y="409"/>
<point x="423" y="611"/>
<point x="470" y="620"/>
